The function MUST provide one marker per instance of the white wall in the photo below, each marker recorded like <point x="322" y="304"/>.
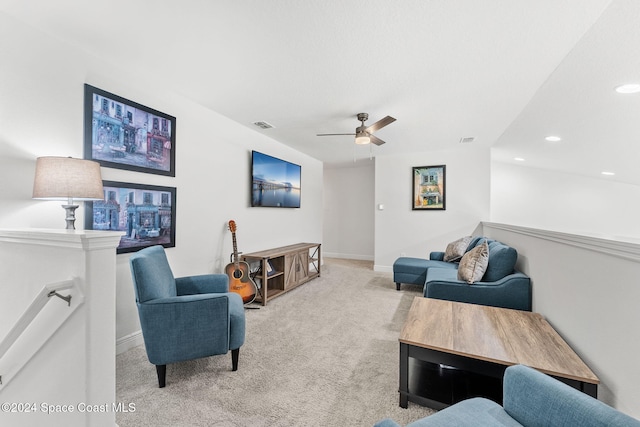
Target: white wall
<point x="587" y="289"/>
<point x="589" y="297"/>
<point x="349" y="196"/>
<point x="564" y="202"/>
<point x="41" y="114"/>
<point x="401" y="231"/>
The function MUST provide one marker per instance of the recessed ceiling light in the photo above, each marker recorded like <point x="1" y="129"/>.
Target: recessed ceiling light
<point x="608" y="173"/>
<point x="264" y="125"/>
<point x="628" y="88"/>
<point x="518" y="159"/>
<point x="553" y="138"/>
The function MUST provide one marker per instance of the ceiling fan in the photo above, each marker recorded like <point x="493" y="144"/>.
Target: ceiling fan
<point x="364" y="135"/>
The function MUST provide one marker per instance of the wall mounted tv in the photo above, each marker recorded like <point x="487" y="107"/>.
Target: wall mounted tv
<point x="274" y="182"/>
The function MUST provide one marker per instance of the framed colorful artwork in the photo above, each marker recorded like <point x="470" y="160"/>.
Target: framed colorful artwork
<point x="429" y="188"/>
<point x="146" y="214"/>
<point x="123" y="134"/>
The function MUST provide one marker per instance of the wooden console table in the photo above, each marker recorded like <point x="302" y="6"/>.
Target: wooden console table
<point x="281" y="269"/>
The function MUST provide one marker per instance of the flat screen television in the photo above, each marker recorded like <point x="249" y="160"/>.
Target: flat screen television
<point x="274" y="182"/>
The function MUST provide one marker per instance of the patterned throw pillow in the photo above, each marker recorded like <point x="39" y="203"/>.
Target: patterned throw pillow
<point x="455" y="250"/>
<point x="474" y="263"/>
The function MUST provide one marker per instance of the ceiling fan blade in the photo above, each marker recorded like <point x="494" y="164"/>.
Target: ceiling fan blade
<point x="380" y="124"/>
<point x="333" y="134"/>
<point x="376" y="140"/>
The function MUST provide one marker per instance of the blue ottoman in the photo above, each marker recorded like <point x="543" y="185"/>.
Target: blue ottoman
<point x="414" y="270"/>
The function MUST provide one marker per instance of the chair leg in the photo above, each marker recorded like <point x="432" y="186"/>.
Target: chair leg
<point x="162" y="375"/>
<point x="397" y="286"/>
<point x="234" y="359"/>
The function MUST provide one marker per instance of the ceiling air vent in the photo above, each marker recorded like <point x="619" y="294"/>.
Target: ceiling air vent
<point x="467" y="139"/>
<point x="263" y="125"/>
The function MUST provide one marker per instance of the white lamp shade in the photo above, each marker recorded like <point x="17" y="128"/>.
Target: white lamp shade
<point x="65" y="178"/>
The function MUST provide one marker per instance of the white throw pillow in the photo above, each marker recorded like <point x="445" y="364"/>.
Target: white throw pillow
<point x="474" y="263"/>
<point x="455" y="250"/>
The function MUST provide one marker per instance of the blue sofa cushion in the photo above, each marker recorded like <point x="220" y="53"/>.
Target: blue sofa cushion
<point x="476" y="241"/>
<point x="502" y="258"/>
<point x="512" y="291"/>
<point x="414" y="270"/>
<point x="502" y="261"/>
<point x="419" y="265"/>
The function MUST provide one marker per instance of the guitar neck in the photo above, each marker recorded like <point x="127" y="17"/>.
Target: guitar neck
<point x="235" y="249"/>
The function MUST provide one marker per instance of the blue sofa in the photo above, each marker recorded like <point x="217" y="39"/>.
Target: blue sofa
<point x="531" y="399"/>
<point x="501" y="285"/>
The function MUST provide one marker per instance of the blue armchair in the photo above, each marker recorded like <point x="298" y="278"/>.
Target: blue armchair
<point x="184" y="318"/>
<point x="531" y="399"/>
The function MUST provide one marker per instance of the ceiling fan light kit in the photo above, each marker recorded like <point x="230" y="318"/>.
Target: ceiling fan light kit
<point x="362" y="139"/>
<point x="364" y="135"/>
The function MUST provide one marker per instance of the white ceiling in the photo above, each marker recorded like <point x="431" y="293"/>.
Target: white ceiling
<point x="506" y="72"/>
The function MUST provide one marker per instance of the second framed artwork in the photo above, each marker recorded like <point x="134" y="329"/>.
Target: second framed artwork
<point x="123" y="134"/>
<point x="146" y="214"/>
<point x="429" y="190"/>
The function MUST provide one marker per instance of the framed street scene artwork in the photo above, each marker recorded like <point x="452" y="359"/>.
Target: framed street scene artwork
<point x="146" y="214"/>
<point x="123" y="134"/>
<point x="429" y="191"/>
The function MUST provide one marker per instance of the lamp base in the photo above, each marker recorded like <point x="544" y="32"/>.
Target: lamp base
<point x="71" y="216"/>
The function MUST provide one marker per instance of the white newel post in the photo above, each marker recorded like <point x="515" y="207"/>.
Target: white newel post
<point x="69" y="348"/>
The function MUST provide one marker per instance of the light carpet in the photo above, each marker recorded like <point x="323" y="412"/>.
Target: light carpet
<point x="324" y="354"/>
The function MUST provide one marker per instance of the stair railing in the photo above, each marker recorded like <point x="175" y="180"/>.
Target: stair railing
<point x="13" y="359"/>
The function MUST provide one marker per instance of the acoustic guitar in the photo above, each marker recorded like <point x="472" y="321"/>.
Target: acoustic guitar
<point x="240" y="281"/>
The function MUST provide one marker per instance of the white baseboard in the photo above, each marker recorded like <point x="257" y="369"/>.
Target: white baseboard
<point x="128" y="342"/>
<point x="347" y="256"/>
<point x="383" y="268"/>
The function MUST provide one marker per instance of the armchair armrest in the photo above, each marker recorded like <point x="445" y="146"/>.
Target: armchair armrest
<point x="203" y="284"/>
<point x="185" y="327"/>
<point x="533" y="398"/>
<point x="512" y="291"/>
<point x="436" y="256"/>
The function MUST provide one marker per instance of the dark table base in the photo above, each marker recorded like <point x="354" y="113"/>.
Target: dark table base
<point x="437" y="386"/>
<point x="436" y="379"/>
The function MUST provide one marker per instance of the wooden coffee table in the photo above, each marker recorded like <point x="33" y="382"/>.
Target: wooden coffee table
<point x="485" y="340"/>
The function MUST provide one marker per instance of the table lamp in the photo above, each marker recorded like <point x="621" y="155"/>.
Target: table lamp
<point x="66" y="178"/>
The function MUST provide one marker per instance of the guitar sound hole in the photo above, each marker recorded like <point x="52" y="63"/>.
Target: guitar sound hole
<point x="237" y="274"/>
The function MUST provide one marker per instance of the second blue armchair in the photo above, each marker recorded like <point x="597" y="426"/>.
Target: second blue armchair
<point x="184" y="318"/>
